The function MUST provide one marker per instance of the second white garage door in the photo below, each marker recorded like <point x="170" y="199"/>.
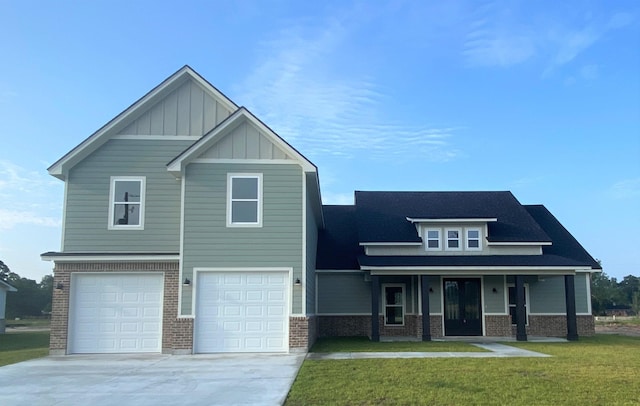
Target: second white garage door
<point x="115" y="313"/>
<point x="241" y="312"/>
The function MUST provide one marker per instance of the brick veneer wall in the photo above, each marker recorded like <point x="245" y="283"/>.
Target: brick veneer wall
<point x="498" y="326"/>
<point x="556" y="326"/>
<point x="60" y="301"/>
<point x="351" y="326"/>
<point x="302" y="332"/>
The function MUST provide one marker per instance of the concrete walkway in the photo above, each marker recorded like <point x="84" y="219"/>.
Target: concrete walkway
<point x="496" y="351"/>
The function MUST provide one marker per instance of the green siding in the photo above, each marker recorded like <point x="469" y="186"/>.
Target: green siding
<point x="87" y="205"/>
<point x="435" y="297"/>
<point x="208" y="242"/>
<point x="343" y="293"/>
<point x="547" y="296"/>
<point x="494" y="302"/>
<point x="582" y="298"/>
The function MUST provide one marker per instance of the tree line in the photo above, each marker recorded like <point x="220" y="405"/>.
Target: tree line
<point x="32" y="299"/>
<point x="608" y="293"/>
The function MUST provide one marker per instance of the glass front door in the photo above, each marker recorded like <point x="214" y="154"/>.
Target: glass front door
<point x="462" y="307"/>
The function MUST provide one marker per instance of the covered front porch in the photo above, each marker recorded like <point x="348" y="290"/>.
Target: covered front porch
<point x="513" y="305"/>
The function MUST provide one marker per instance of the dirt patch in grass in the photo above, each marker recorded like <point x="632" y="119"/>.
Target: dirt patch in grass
<point x="622" y="329"/>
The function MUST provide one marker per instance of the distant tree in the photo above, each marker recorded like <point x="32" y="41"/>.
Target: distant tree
<point x="628" y="287"/>
<point x="31" y="299"/>
<point x="604" y="292"/>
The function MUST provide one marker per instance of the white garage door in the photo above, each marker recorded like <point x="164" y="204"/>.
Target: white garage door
<point x="241" y="312"/>
<point x="116" y="313"/>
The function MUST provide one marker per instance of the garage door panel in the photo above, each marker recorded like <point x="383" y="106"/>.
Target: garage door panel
<point x="241" y="312"/>
<point x="115" y="313"/>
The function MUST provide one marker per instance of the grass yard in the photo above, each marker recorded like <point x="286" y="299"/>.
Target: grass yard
<point x="34" y="323"/>
<point x="363" y="344"/>
<point x="600" y="370"/>
<point x="18" y="347"/>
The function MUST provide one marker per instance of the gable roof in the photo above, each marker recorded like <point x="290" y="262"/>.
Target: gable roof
<point x="177" y="165"/>
<point x="338" y="246"/>
<point x="382" y="216"/>
<point x="564" y="243"/>
<point x="102" y="135"/>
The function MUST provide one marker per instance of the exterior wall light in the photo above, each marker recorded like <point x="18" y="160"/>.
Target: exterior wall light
<point x="495" y="290"/>
<point x="186" y="282"/>
<point x="59" y="286"/>
<point x="297" y="282"/>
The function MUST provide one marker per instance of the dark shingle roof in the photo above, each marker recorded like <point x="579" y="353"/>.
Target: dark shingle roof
<point x="469" y="260"/>
<point x="381" y="216"/>
<point x="338" y="246"/>
<point x="564" y="243"/>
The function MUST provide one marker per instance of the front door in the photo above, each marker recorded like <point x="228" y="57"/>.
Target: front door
<point x="462" y="307"/>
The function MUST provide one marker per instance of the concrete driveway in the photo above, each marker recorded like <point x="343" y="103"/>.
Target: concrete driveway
<point x="122" y="380"/>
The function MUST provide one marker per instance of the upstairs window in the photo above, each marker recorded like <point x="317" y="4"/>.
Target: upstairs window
<point x="126" y="207"/>
<point x="244" y="205"/>
<point x="432" y="238"/>
<point x="453" y="239"/>
<point x="473" y="239"/>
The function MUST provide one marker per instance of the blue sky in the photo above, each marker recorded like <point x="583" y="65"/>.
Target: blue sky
<point x="540" y="98"/>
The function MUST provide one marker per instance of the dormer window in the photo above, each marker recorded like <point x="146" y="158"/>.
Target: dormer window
<point x="453" y="239"/>
<point x="433" y="239"/>
<point x="473" y="239"/>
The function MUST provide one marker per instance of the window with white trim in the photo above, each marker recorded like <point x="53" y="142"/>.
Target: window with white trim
<point x="512" y="303"/>
<point x="394" y="301"/>
<point x="473" y="239"/>
<point x="126" y="203"/>
<point x="432" y="237"/>
<point x="453" y="239"/>
<point x="244" y="203"/>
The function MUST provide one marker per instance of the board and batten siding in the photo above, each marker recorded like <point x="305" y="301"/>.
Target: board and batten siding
<point x="548" y="297"/>
<point x="209" y="243"/>
<point x="188" y="110"/>
<point x="87" y="204"/>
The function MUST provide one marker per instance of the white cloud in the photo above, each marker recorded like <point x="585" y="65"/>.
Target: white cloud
<point x="11" y="218"/>
<point x="337" y="198"/>
<point x="28" y="197"/>
<point x="624" y="189"/>
<point x="323" y="109"/>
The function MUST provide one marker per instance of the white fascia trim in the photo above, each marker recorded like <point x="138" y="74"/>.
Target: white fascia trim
<point x="109" y="258"/>
<point x="460" y="220"/>
<point x="548" y="314"/>
<point x="64" y="216"/>
<point x="8" y="287"/>
<point x="393" y="244"/>
<point x="506" y="244"/>
<point x="156" y="137"/>
<point x="496" y="314"/>
<point x="358" y="271"/>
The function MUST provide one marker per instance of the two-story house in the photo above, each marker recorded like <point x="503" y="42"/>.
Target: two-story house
<point x="189" y="226"/>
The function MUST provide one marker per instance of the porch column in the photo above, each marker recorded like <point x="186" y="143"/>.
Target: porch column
<point x="426" y="321"/>
<point x="570" y="298"/>
<point x="521" y="315"/>
<point x="375" y="308"/>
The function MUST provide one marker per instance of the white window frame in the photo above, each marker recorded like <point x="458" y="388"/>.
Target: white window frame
<point x="112" y="202"/>
<point x="427" y="239"/>
<point x="403" y="305"/>
<point x="446" y="239"/>
<point x="466" y="239"/>
<point x="526" y="302"/>
<point x="230" y="200"/>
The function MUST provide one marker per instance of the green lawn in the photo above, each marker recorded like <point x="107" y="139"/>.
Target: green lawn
<point x="18" y="347"/>
<point x="363" y="344"/>
<point x="44" y="323"/>
<point x="601" y="370"/>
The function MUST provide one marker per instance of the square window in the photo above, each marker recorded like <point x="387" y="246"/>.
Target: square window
<point x="126" y="207"/>
<point x="473" y="239"/>
<point x="244" y="205"/>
